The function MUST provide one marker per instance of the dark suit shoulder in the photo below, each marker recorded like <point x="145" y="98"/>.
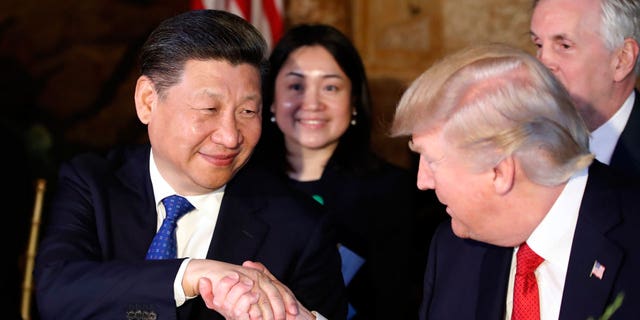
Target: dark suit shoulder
<point x="114" y="158"/>
<point x="257" y="182"/>
<point x="622" y="186"/>
<point x="122" y="172"/>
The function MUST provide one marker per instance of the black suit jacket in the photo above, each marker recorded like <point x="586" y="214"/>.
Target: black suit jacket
<point x="376" y="214"/>
<point x="626" y="155"/>
<point x="91" y="261"/>
<point x="467" y="279"/>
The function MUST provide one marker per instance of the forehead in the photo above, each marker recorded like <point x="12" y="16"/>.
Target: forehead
<point x="427" y="142"/>
<point x="244" y="77"/>
<point x="558" y="17"/>
<point x="312" y="59"/>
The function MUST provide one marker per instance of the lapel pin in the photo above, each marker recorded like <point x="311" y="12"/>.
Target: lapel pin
<point x="597" y="270"/>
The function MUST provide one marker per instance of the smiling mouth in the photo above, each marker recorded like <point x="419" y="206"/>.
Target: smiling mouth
<point x="220" y="159"/>
<point x="311" y="121"/>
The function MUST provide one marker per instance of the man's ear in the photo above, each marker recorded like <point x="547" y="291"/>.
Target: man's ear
<point x="145" y="98"/>
<point x="504" y="175"/>
<point x="625" y="59"/>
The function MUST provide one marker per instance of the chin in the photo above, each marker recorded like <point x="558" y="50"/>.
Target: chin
<point x="458" y="230"/>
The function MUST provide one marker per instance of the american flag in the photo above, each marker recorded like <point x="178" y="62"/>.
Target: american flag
<point x="265" y="15"/>
<point x="597" y="270"/>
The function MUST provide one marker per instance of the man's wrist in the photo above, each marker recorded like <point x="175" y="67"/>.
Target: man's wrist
<point x="318" y="316"/>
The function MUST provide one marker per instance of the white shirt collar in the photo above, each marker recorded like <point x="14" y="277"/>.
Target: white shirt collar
<point x="603" y="140"/>
<point x="162" y="189"/>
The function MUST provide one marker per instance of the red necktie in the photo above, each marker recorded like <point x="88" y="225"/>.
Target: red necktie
<point x="526" y="302"/>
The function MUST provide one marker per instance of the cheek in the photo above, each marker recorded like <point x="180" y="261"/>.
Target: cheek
<point x="285" y="108"/>
<point x="346" y="115"/>
<point x="284" y="100"/>
<point x="342" y="115"/>
<point x="172" y="126"/>
<point x="251" y="132"/>
<point x="463" y="194"/>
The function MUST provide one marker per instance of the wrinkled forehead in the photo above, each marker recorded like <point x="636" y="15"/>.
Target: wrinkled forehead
<point x="565" y="17"/>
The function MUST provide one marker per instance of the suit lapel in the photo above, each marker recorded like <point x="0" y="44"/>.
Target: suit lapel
<point x="133" y="206"/>
<point x="586" y="295"/>
<point x="493" y="284"/>
<point x="238" y="224"/>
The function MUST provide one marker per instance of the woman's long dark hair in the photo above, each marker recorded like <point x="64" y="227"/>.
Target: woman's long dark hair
<point x="354" y="147"/>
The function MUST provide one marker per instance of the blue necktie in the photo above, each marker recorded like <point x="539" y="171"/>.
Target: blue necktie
<point x="164" y="243"/>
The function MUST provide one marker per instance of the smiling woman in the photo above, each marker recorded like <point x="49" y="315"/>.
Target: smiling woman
<point x="317" y="137"/>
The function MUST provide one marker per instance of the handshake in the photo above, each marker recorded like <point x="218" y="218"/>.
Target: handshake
<point x="246" y="292"/>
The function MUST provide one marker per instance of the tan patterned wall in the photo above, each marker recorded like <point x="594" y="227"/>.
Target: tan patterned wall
<point x="400" y="39"/>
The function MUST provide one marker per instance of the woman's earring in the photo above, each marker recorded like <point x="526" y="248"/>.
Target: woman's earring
<point x="273" y="119"/>
<point x="353" y="117"/>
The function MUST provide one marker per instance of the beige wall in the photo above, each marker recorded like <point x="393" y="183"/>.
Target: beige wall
<point x="399" y="39"/>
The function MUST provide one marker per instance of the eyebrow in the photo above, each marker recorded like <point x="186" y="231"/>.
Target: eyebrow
<point x="555" y="37"/>
<point x="324" y="76"/>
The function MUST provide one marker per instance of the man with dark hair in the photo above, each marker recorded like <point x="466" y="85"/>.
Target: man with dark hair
<point x="199" y="95"/>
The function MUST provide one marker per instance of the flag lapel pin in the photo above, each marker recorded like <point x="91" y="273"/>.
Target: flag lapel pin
<point x="597" y="270"/>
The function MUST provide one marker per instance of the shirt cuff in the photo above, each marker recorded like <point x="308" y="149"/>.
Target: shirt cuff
<point x="178" y="291"/>
<point x="318" y="316"/>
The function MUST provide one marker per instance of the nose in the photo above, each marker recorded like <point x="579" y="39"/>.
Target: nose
<point x="425" y="176"/>
<point x="311" y="100"/>
<point x="227" y="132"/>
<point x="545" y="55"/>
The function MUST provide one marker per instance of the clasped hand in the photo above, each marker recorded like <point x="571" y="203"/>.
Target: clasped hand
<point x="247" y="292"/>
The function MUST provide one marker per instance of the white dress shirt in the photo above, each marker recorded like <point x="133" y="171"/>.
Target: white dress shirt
<point x="603" y="140"/>
<point x="552" y="240"/>
<point x="194" y="230"/>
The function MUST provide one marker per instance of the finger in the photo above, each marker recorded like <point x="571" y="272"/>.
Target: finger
<point x="233" y="291"/>
<point x="254" y="265"/>
<point x="254" y="311"/>
<point x="266" y="308"/>
<point x="206" y="292"/>
<point x="289" y="300"/>
<point x="239" y="297"/>
<point x="221" y="289"/>
<point x="244" y="303"/>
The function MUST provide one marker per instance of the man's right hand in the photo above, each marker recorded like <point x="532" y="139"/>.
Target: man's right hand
<point x="239" y="292"/>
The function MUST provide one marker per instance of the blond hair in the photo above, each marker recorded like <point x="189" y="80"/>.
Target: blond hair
<point x="494" y="101"/>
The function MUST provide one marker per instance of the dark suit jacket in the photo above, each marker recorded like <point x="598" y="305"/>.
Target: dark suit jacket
<point x="466" y="279"/>
<point x="626" y="155"/>
<point x="90" y="263"/>
<point x="374" y="214"/>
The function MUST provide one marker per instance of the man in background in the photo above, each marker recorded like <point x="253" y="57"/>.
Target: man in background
<point x="591" y="46"/>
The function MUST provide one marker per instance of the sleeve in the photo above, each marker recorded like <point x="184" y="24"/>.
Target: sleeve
<point x="83" y="267"/>
<point x="318" y="316"/>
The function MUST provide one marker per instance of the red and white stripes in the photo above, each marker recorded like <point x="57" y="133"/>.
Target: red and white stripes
<point x="266" y="15"/>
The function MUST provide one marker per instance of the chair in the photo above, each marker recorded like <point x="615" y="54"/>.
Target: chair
<point x="27" y="283"/>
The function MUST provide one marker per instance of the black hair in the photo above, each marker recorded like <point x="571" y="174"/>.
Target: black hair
<point x="200" y="35"/>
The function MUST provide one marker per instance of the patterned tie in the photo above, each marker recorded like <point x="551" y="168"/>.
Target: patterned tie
<point x="526" y="302"/>
<point x="164" y="243"/>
